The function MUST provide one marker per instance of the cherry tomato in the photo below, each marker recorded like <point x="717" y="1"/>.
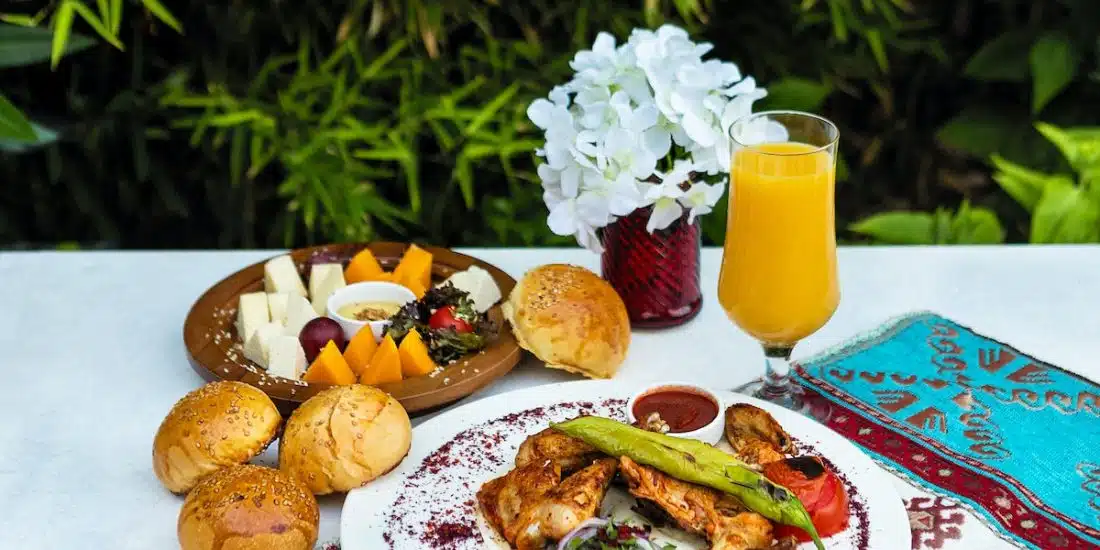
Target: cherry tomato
<point x="820" y="490"/>
<point x="444" y="317"/>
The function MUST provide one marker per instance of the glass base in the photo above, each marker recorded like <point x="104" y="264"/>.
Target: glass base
<point x="790" y="398"/>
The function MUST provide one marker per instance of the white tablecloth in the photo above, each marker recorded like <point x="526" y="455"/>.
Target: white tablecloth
<point x="92" y="354"/>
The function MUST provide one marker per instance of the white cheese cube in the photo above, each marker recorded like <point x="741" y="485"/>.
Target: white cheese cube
<point x="479" y="284"/>
<point x="298" y="312"/>
<point x="324" y="279"/>
<point x="286" y="357"/>
<point x="258" y="346"/>
<point x="280" y="275"/>
<point x="251" y="313"/>
<point x="276" y="302"/>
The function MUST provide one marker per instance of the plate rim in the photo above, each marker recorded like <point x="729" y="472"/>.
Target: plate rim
<point x="209" y="361"/>
<point x="357" y="502"/>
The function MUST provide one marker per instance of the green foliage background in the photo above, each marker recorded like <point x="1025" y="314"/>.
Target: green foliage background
<point x="275" y="123"/>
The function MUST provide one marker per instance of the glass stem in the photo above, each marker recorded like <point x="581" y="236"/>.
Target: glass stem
<point x="777" y="373"/>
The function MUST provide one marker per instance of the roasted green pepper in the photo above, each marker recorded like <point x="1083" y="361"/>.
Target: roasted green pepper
<point x="695" y="462"/>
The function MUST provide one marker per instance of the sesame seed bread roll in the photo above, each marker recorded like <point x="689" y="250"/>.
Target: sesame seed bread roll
<point x="571" y="319"/>
<point x="248" y="507"/>
<point x="344" y="437"/>
<point x="215" y="426"/>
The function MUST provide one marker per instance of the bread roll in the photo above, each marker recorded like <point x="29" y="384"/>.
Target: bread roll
<point x="247" y="507"/>
<point x="571" y="319"/>
<point x="217" y="425"/>
<point x="344" y="437"/>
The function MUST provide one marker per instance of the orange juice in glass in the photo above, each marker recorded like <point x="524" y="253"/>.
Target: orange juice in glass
<point x="779" y="278"/>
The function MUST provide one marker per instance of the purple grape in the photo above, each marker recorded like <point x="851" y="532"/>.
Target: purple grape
<point x="317" y="333"/>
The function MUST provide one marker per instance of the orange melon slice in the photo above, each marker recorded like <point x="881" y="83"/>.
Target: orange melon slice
<point x="415" y="360"/>
<point x="385" y="365"/>
<point x="360" y="349"/>
<point x="415" y="265"/>
<point x="363" y="267"/>
<point x="330" y="366"/>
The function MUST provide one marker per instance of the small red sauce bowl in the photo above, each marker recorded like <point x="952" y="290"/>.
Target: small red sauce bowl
<point x="686" y="404"/>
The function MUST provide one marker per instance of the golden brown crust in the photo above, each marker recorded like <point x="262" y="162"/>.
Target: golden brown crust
<point x="344" y="437"/>
<point x="248" y="507"/>
<point x="755" y="435"/>
<point x="215" y="426"/>
<point x="571" y="319"/>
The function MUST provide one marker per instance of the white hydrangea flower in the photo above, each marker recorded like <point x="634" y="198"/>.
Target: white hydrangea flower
<point x="630" y="108"/>
<point x="665" y="198"/>
<point x="701" y="198"/>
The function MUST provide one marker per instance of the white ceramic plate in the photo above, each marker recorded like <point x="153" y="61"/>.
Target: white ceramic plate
<point x="429" y="500"/>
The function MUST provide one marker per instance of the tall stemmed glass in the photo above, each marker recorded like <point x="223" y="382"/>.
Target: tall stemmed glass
<point x="779" y="277"/>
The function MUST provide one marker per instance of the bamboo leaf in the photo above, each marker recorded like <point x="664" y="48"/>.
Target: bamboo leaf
<point x="104" y="12"/>
<point x="19" y="19"/>
<point x="465" y="178"/>
<point x="160" y="12"/>
<point x="62" y="26"/>
<point x="874" y="40"/>
<point x="381" y="61"/>
<point x="116" y="15"/>
<point x="491" y="109"/>
<point x="21" y="46"/>
<point x="43" y="136"/>
<point x="241" y="117"/>
<point x="90" y="18"/>
<point x="13" y="125"/>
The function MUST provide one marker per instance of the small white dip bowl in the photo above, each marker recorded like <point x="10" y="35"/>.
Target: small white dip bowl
<point x="711" y="433"/>
<point x="369" y="291"/>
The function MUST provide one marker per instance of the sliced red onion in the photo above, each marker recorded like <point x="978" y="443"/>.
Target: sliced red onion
<point x="585" y="530"/>
<point x="588" y="529"/>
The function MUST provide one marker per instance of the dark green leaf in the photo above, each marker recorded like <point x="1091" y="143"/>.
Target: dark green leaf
<point x="978" y="131"/>
<point x="1053" y="66"/>
<point x="1004" y="58"/>
<point x="1065" y="214"/>
<point x="13" y="125"/>
<point x="798" y="94"/>
<point x="43" y="136"/>
<point x="28" y="45"/>
<point x="897" y="228"/>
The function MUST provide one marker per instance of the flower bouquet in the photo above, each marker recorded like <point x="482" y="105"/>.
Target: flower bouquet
<point x="636" y="150"/>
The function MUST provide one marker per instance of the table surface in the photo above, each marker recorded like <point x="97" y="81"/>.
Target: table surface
<point x="91" y="346"/>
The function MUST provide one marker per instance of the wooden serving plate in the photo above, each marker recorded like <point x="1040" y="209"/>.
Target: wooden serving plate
<point x="214" y="347"/>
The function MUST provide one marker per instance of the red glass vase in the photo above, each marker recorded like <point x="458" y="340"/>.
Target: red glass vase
<point x="656" y="274"/>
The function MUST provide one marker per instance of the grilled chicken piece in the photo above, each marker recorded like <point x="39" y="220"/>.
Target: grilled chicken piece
<point x="504" y="498"/>
<point x="569" y="453"/>
<point x="755" y="436"/>
<point x="652" y="423"/>
<point x="719" y="517"/>
<point x="562" y="508"/>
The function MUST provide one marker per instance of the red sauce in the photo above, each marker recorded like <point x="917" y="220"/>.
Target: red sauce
<point x="682" y="410"/>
